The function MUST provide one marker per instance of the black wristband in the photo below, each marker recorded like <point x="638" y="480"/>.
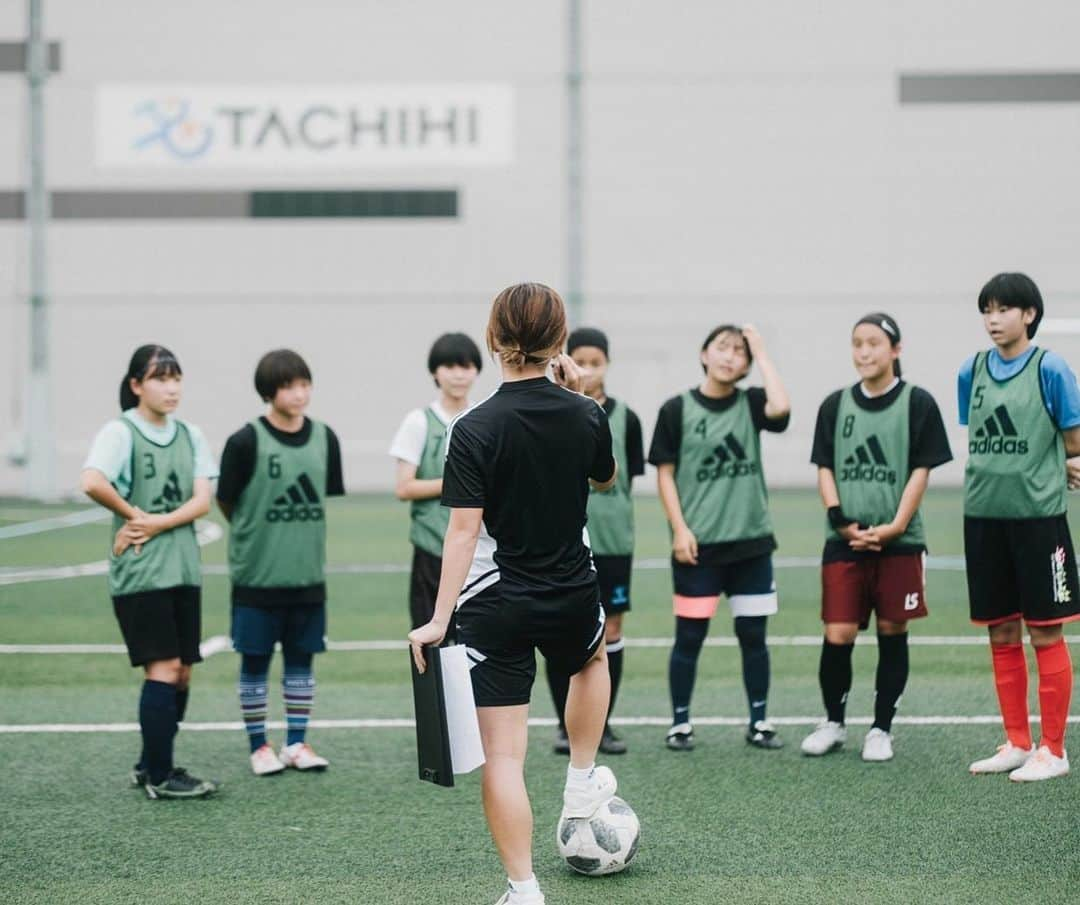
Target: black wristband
<point x="837" y="518"/>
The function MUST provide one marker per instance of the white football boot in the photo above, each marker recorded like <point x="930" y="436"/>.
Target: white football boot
<point x="583" y="798"/>
<point x="520" y="898"/>
<point x="1008" y="758"/>
<point x="300" y="756"/>
<point x="264" y="761"/>
<point x="877" y="746"/>
<point x="828" y="736"/>
<point x="1043" y="764"/>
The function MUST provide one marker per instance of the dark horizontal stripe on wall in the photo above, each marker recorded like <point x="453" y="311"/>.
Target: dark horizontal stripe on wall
<point x="237" y="205"/>
<point x="438" y="203"/>
<point x="990" y="88"/>
<point x="13" y="56"/>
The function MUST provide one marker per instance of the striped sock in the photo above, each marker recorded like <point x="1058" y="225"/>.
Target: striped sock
<point x="252" y="690"/>
<point x="299" y="688"/>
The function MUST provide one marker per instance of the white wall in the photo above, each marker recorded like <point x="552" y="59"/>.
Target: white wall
<point x="744" y="162"/>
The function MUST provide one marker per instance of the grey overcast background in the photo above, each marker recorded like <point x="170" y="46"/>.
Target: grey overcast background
<point x="789" y="163"/>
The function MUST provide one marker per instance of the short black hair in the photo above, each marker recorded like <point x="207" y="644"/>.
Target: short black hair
<point x="454" y="349"/>
<point x="278" y="369"/>
<point x="1013" y="290"/>
<point x="587" y="336"/>
<point x="727" y="328"/>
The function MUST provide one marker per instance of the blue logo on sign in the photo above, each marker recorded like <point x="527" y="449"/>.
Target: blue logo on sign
<point x="169" y="124"/>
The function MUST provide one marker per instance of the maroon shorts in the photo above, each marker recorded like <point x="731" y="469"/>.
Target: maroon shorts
<point x="892" y="586"/>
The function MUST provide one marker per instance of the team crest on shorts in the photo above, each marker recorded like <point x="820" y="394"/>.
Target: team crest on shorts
<point x="1059" y="576"/>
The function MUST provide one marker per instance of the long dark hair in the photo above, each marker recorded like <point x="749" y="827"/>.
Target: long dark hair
<point x="150" y="360"/>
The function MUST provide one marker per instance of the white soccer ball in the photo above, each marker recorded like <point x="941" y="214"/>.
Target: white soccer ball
<point x="602" y="844"/>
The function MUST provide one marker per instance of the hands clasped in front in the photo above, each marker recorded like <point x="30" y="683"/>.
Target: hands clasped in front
<point x="138" y="530"/>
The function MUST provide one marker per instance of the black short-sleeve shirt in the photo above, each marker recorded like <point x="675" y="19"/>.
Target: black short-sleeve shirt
<point x="667" y="437"/>
<point x="238" y="459"/>
<point x="928" y="446"/>
<point x="525" y="456"/>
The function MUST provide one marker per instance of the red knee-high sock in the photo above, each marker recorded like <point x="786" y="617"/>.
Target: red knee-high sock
<point x="1011" y="679"/>
<point x="1055" y="690"/>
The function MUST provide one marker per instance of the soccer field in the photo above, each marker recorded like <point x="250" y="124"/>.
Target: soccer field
<point x="724" y="823"/>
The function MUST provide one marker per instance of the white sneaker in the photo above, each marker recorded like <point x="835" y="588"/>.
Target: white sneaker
<point x="1043" y="764"/>
<point x="826" y="737"/>
<point x="877" y="746"/>
<point x="264" y="761"/>
<point x="520" y="898"/>
<point x="1008" y="758"/>
<point x="582" y="799"/>
<point x="300" y="756"/>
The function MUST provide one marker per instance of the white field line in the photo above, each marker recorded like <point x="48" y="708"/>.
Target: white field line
<point x="219" y="644"/>
<point x="205" y="533"/>
<point x="663" y="721"/>
<point x="212" y="532"/>
<point x="55" y="523"/>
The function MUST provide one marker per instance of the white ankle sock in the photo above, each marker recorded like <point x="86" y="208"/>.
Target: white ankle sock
<point x="525" y="886"/>
<point x="575" y="775"/>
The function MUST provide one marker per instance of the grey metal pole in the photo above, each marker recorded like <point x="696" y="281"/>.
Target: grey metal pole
<point x="41" y="472"/>
<point x="575" y="232"/>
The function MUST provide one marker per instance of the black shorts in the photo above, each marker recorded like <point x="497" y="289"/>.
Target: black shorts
<point x="161" y="625"/>
<point x="501" y="638"/>
<point x="1021" y="568"/>
<point x="613" y="576"/>
<point x="424" y="588"/>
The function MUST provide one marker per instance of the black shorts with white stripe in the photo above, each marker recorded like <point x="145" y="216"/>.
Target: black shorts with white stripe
<point x="502" y="637"/>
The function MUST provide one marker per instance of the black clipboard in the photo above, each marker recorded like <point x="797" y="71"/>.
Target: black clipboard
<point x="432" y="737"/>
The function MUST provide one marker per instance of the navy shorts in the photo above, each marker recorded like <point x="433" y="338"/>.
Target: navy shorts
<point x="299" y="629"/>
<point x="747" y="583"/>
<point x="613" y="577"/>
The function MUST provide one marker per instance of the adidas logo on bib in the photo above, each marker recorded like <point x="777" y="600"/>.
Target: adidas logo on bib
<point x="998" y="435"/>
<point x="728" y="460"/>
<point x="300" y="503"/>
<point x="868" y="463"/>
<point x="171" y="496"/>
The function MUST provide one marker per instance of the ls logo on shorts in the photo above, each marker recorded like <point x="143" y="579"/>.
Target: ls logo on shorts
<point x="1059" y="577"/>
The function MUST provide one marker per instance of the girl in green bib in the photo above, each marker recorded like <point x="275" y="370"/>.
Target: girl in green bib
<point x="276" y="472"/>
<point x="707" y="452"/>
<point x="419" y="449"/>
<point x="153" y="472"/>
<point x="874" y="445"/>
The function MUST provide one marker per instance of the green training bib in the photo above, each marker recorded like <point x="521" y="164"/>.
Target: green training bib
<point x="719" y="477"/>
<point x="611" y="512"/>
<point x="871" y="463"/>
<point x="162" y="480"/>
<point x="277" y="536"/>
<point x="1016" y="454"/>
<point x="429" y="517"/>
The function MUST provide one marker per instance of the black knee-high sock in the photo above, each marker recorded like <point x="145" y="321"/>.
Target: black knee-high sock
<point x="892" y="675"/>
<point x="559" y="683"/>
<point x="181" y="703"/>
<point x="750" y="630"/>
<point x="682" y="668"/>
<point x="157" y="718"/>
<point x="834" y="674"/>
<point x="614" y="665"/>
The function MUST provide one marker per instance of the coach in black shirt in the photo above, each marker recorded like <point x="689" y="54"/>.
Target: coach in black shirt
<point x="516" y="566"/>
